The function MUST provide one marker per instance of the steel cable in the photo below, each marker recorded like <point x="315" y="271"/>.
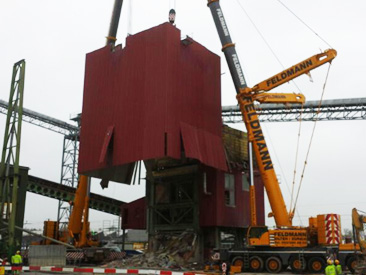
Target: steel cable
<point x="312" y="135"/>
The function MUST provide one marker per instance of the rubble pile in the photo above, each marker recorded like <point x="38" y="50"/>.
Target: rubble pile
<point x="174" y="252"/>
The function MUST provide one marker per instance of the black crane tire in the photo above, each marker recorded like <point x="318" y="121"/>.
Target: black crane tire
<point x="256" y="264"/>
<point x="351" y="264"/>
<point x="238" y="261"/>
<point x="316" y="265"/>
<point x="273" y="264"/>
<point x="295" y="265"/>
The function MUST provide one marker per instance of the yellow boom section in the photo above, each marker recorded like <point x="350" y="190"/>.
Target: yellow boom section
<point x="75" y="221"/>
<point x="255" y="135"/>
<point x="279" y="98"/>
<point x="359" y="223"/>
<point x="301" y="68"/>
<point x="246" y="97"/>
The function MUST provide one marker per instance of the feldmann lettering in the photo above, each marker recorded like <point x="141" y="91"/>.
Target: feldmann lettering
<point x="290" y="234"/>
<point x="294" y="70"/>
<point x="252" y="119"/>
<point x="238" y="69"/>
<point x="258" y="134"/>
<point x="222" y="21"/>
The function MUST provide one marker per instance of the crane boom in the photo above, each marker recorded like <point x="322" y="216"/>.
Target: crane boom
<point x="116" y="13"/>
<point x="358" y="223"/>
<point x="246" y="97"/>
<point x="300" y="68"/>
<point x="250" y="119"/>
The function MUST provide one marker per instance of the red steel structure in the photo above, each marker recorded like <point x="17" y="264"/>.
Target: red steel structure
<point x="211" y="205"/>
<point x="141" y="101"/>
<point x="158" y="99"/>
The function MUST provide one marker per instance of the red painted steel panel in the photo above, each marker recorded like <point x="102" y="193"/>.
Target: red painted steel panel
<point x="204" y="146"/>
<point x="145" y="91"/>
<point x="232" y="215"/>
<point x="134" y="214"/>
<point x="214" y="212"/>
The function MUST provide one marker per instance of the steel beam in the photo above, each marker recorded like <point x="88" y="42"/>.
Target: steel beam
<point x="330" y="110"/>
<point x="43" y="121"/>
<point x="66" y="194"/>
<point x="334" y="109"/>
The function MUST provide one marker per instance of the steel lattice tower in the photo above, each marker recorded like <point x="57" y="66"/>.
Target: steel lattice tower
<point x="10" y="157"/>
<point x="69" y="176"/>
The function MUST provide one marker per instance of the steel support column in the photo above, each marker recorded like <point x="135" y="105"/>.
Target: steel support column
<point x="69" y="176"/>
<point x="10" y="157"/>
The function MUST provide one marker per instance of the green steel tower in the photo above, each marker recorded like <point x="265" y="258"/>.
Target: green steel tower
<point x="10" y="159"/>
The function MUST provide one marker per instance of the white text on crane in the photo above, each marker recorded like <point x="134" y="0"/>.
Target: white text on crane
<point x="238" y="69"/>
<point x="222" y="21"/>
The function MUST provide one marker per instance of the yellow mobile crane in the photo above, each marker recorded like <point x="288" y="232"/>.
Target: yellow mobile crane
<point x="79" y="226"/>
<point x="78" y="231"/>
<point x="301" y="248"/>
<point x="359" y="223"/>
<point x="359" y="235"/>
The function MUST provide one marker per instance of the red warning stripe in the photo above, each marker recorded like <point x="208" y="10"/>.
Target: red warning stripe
<point x="98" y="270"/>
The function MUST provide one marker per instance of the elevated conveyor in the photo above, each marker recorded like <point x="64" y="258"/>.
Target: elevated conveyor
<point x="66" y="193"/>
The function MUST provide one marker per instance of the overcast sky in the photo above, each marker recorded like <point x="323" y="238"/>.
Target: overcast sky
<point x="54" y="37"/>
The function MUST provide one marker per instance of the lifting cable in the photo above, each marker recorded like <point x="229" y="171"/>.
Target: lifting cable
<point x="260" y="34"/>
<point x="278" y="60"/>
<point x="297" y="154"/>
<point x="171" y="4"/>
<point x="265" y="41"/>
<point x="363" y="212"/>
<point x="283" y="67"/>
<point x="302" y="21"/>
<point x="129" y="16"/>
<point x="302" y="109"/>
<point x="317" y="114"/>
<point x="312" y="135"/>
<point x="298" y="140"/>
<point x="279" y="164"/>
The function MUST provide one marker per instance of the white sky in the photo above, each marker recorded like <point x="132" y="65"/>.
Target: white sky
<point x="54" y="36"/>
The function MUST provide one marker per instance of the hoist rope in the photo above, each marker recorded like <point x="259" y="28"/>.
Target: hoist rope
<point x="312" y="135"/>
<point x="283" y="67"/>
<point x="260" y="34"/>
<point x="265" y="41"/>
<point x="302" y="21"/>
<point x="129" y="16"/>
<point x="363" y="212"/>
<point x="172" y="4"/>
<point x="296" y="156"/>
<point x="282" y="172"/>
<point x="301" y="113"/>
<point x="273" y="148"/>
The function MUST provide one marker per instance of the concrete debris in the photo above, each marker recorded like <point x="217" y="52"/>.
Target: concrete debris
<point x="169" y="251"/>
